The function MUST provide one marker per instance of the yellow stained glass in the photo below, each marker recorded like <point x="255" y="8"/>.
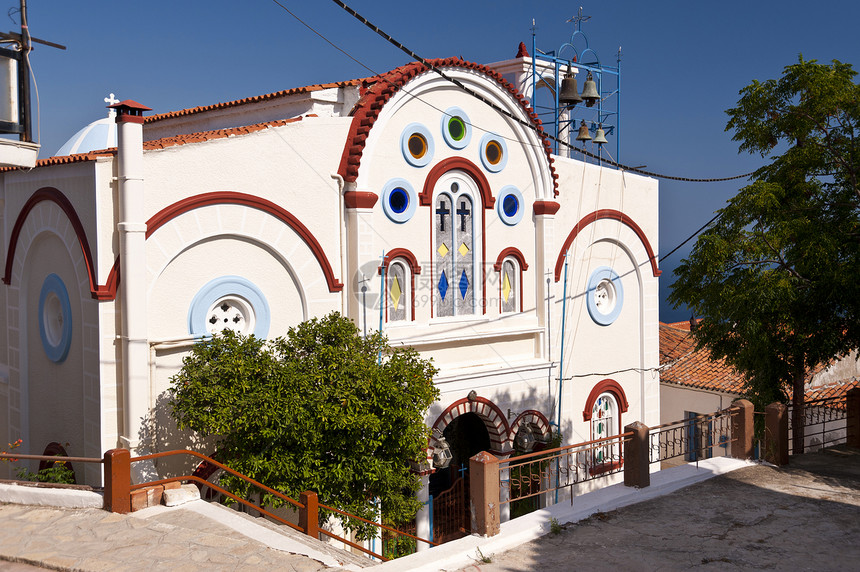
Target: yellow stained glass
<point x="463" y="250"/>
<point x="506" y="288"/>
<point x="396" y="292"/>
<point x="443" y="250"/>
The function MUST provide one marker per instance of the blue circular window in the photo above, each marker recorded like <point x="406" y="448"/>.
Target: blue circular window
<point x="399" y="200"/>
<point x="229" y="303"/>
<point x="456" y="129"/>
<point x="510" y="205"/>
<point x="416" y="144"/>
<point x="494" y="152"/>
<point x="605" y="296"/>
<point x="55" y="318"/>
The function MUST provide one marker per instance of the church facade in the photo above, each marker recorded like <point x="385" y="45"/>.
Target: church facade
<point x="400" y="201"/>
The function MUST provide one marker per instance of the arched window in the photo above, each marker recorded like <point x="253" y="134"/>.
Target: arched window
<point x="454" y="253"/>
<point x="510" y="285"/>
<point x="398" y="291"/>
<point x="604" y="423"/>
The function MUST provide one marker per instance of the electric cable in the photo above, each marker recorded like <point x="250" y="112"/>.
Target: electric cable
<point x="511" y="116"/>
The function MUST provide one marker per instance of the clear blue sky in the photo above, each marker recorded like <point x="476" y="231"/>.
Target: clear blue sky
<point x="683" y="64"/>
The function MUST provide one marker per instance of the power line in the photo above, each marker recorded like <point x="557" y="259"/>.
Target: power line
<point x="387" y="37"/>
<point x="691" y="237"/>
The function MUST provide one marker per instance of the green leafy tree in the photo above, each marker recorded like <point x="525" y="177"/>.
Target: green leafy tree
<point x="321" y="409"/>
<point x="775" y="278"/>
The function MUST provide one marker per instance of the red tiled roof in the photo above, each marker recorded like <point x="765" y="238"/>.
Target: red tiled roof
<point x="201" y="136"/>
<point x="380" y="90"/>
<point x="684" y="365"/>
<point x="64" y="159"/>
<point x="254" y="99"/>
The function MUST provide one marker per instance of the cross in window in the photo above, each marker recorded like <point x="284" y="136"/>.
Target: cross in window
<point x="463" y="211"/>
<point x="442" y="211"/>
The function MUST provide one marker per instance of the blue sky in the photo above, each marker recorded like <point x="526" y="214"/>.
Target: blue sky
<point x="683" y="64"/>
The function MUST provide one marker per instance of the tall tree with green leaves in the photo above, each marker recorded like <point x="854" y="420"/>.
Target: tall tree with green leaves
<point x="775" y="278"/>
<point x="321" y="409"/>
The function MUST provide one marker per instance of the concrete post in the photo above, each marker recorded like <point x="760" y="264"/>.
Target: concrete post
<point x="309" y="516"/>
<point x="636" y="456"/>
<point x="484" y="489"/>
<point x="743" y="429"/>
<point x="117" y="479"/>
<point x="423" y="519"/>
<point x="852" y="428"/>
<point x="131" y="228"/>
<point x="776" y="434"/>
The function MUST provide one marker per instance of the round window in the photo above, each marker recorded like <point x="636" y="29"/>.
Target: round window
<point x="229" y="303"/>
<point x="456" y="129"/>
<point x="416" y="144"/>
<point x="399" y="200"/>
<point x="605" y="296"/>
<point x="55" y="318"/>
<point x="494" y="153"/>
<point x="509" y="205"/>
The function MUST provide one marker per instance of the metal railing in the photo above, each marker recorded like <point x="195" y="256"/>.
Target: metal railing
<point x="551" y="470"/>
<point x="699" y="437"/>
<point x="824" y="423"/>
<point x="308" y="508"/>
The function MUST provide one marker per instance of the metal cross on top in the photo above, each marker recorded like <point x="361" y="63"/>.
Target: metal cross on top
<point x="111" y="100"/>
<point x="579" y="19"/>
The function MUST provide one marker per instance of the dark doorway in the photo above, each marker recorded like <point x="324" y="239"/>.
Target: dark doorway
<point x="467" y="436"/>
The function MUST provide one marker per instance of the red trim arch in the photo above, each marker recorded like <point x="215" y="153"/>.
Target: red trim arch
<point x="606" y="386"/>
<point x="612" y="215"/>
<point x="414" y="269"/>
<point x="490" y="414"/>
<point x="57" y="197"/>
<point x="425" y="198"/>
<point x="178" y="208"/>
<point x="534" y="417"/>
<point x="497" y="266"/>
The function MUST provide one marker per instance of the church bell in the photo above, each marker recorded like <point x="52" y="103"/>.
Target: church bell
<point x="589" y="91"/>
<point x="583" y="135"/>
<point x="569" y="94"/>
<point x="600" y="136"/>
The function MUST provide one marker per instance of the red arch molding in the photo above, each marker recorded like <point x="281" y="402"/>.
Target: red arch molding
<point x="497" y="266"/>
<point x="450" y="164"/>
<point x="414" y="269"/>
<point x="493" y="418"/>
<point x="108" y="291"/>
<point x="606" y="386"/>
<point x="612" y="215"/>
<point x="55" y="196"/>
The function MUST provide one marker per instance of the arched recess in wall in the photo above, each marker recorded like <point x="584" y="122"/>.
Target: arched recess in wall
<point x="235" y="198"/>
<point x="493" y="418"/>
<point x="534" y="419"/>
<point x="608" y="214"/>
<point x="237" y="242"/>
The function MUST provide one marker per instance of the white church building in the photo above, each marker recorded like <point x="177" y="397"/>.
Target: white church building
<point x="400" y="201"/>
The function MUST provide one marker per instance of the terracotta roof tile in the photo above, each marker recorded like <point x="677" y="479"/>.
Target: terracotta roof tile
<point x="254" y="99"/>
<point x="65" y="159"/>
<point x="684" y="365"/>
<point x="202" y="136"/>
<point x="378" y="90"/>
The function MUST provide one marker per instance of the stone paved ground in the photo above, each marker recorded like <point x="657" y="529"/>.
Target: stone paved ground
<point x="92" y="540"/>
<point x="802" y="517"/>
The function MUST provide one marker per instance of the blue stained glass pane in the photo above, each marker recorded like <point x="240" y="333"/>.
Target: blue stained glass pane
<point x="398" y="200"/>
<point x="443" y="285"/>
<point x="510" y="205"/>
<point x="464" y="284"/>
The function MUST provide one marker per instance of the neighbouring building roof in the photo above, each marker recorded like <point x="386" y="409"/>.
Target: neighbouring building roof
<point x="254" y="99"/>
<point x="682" y="364"/>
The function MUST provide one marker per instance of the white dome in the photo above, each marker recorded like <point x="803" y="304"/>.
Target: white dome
<point x="97" y="135"/>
